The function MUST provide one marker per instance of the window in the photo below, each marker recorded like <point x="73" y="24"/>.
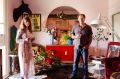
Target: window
<point x="2" y="17"/>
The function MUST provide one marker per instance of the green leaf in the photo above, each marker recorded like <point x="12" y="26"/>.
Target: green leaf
<point x="43" y="54"/>
<point x="67" y="37"/>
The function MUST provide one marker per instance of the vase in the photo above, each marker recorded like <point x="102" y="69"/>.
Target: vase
<point x="70" y="41"/>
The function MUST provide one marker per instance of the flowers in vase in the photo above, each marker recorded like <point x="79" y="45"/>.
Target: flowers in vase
<point x="46" y="57"/>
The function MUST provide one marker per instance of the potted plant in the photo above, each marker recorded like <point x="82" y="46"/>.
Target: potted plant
<point x="39" y="57"/>
<point x="52" y="59"/>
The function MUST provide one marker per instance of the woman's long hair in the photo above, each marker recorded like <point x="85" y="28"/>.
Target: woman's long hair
<point x="23" y="27"/>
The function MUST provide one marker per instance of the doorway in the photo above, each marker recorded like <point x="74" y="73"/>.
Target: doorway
<point x="60" y="22"/>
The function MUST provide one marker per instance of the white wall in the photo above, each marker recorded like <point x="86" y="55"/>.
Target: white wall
<point x="90" y="7"/>
<point x="11" y="5"/>
<point x="43" y="38"/>
<point x="114" y="7"/>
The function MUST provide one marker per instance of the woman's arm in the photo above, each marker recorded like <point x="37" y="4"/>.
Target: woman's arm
<point x="31" y="37"/>
<point x="20" y="37"/>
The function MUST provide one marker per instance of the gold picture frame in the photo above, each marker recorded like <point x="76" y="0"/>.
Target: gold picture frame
<point x="35" y="21"/>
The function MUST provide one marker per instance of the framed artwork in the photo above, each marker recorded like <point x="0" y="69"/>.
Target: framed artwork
<point x="35" y="21"/>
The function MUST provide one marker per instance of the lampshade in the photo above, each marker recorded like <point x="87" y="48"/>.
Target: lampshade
<point x="98" y="22"/>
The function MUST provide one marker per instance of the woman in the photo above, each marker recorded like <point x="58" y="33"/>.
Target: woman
<point x="24" y="38"/>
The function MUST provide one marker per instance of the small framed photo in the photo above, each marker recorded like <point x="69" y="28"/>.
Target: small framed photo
<point x="113" y="51"/>
<point x="35" y="21"/>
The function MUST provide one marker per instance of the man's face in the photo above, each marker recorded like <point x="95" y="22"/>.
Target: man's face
<point x="81" y="19"/>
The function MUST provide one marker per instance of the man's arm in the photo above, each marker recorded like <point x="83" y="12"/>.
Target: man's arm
<point x="89" y="42"/>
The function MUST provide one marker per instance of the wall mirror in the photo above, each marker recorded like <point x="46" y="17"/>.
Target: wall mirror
<point x="116" y="26"/>
<point x="60" y="22"/>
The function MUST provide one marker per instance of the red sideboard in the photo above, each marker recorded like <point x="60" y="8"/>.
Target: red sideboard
<point x="64" y="52"/>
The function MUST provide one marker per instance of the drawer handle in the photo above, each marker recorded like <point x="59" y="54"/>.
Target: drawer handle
<point x="65" y="52"/>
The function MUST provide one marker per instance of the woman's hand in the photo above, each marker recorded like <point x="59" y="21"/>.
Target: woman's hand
<point x="26" y="39"/>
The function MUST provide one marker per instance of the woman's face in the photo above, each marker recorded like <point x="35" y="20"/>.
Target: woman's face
<point x="27" y="23"/>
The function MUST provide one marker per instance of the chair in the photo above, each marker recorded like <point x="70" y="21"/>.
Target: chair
<point x="112" y="60"/>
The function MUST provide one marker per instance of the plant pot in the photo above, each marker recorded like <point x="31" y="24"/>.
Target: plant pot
<point x="70" y="41"/>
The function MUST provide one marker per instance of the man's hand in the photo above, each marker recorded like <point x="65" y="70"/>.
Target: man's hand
<point x="76" y="36"/>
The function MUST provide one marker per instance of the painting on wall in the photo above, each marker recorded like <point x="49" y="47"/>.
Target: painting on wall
<point x="35" y="21"/>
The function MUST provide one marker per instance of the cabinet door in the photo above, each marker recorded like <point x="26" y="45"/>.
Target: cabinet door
<point x="65" y="53"/>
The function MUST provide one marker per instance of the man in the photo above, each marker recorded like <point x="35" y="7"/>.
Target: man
<point x="82" y="35"/>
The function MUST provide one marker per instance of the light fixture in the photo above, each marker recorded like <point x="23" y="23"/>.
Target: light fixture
<point x="61" y="15"/>
<point x="98" y="22"/>
<point x="102" y="22"/>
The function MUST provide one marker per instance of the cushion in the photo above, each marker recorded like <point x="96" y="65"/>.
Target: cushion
<point x="111" y="65"/>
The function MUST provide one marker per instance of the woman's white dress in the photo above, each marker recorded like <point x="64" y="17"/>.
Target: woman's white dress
<point x="25" y="53"/>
